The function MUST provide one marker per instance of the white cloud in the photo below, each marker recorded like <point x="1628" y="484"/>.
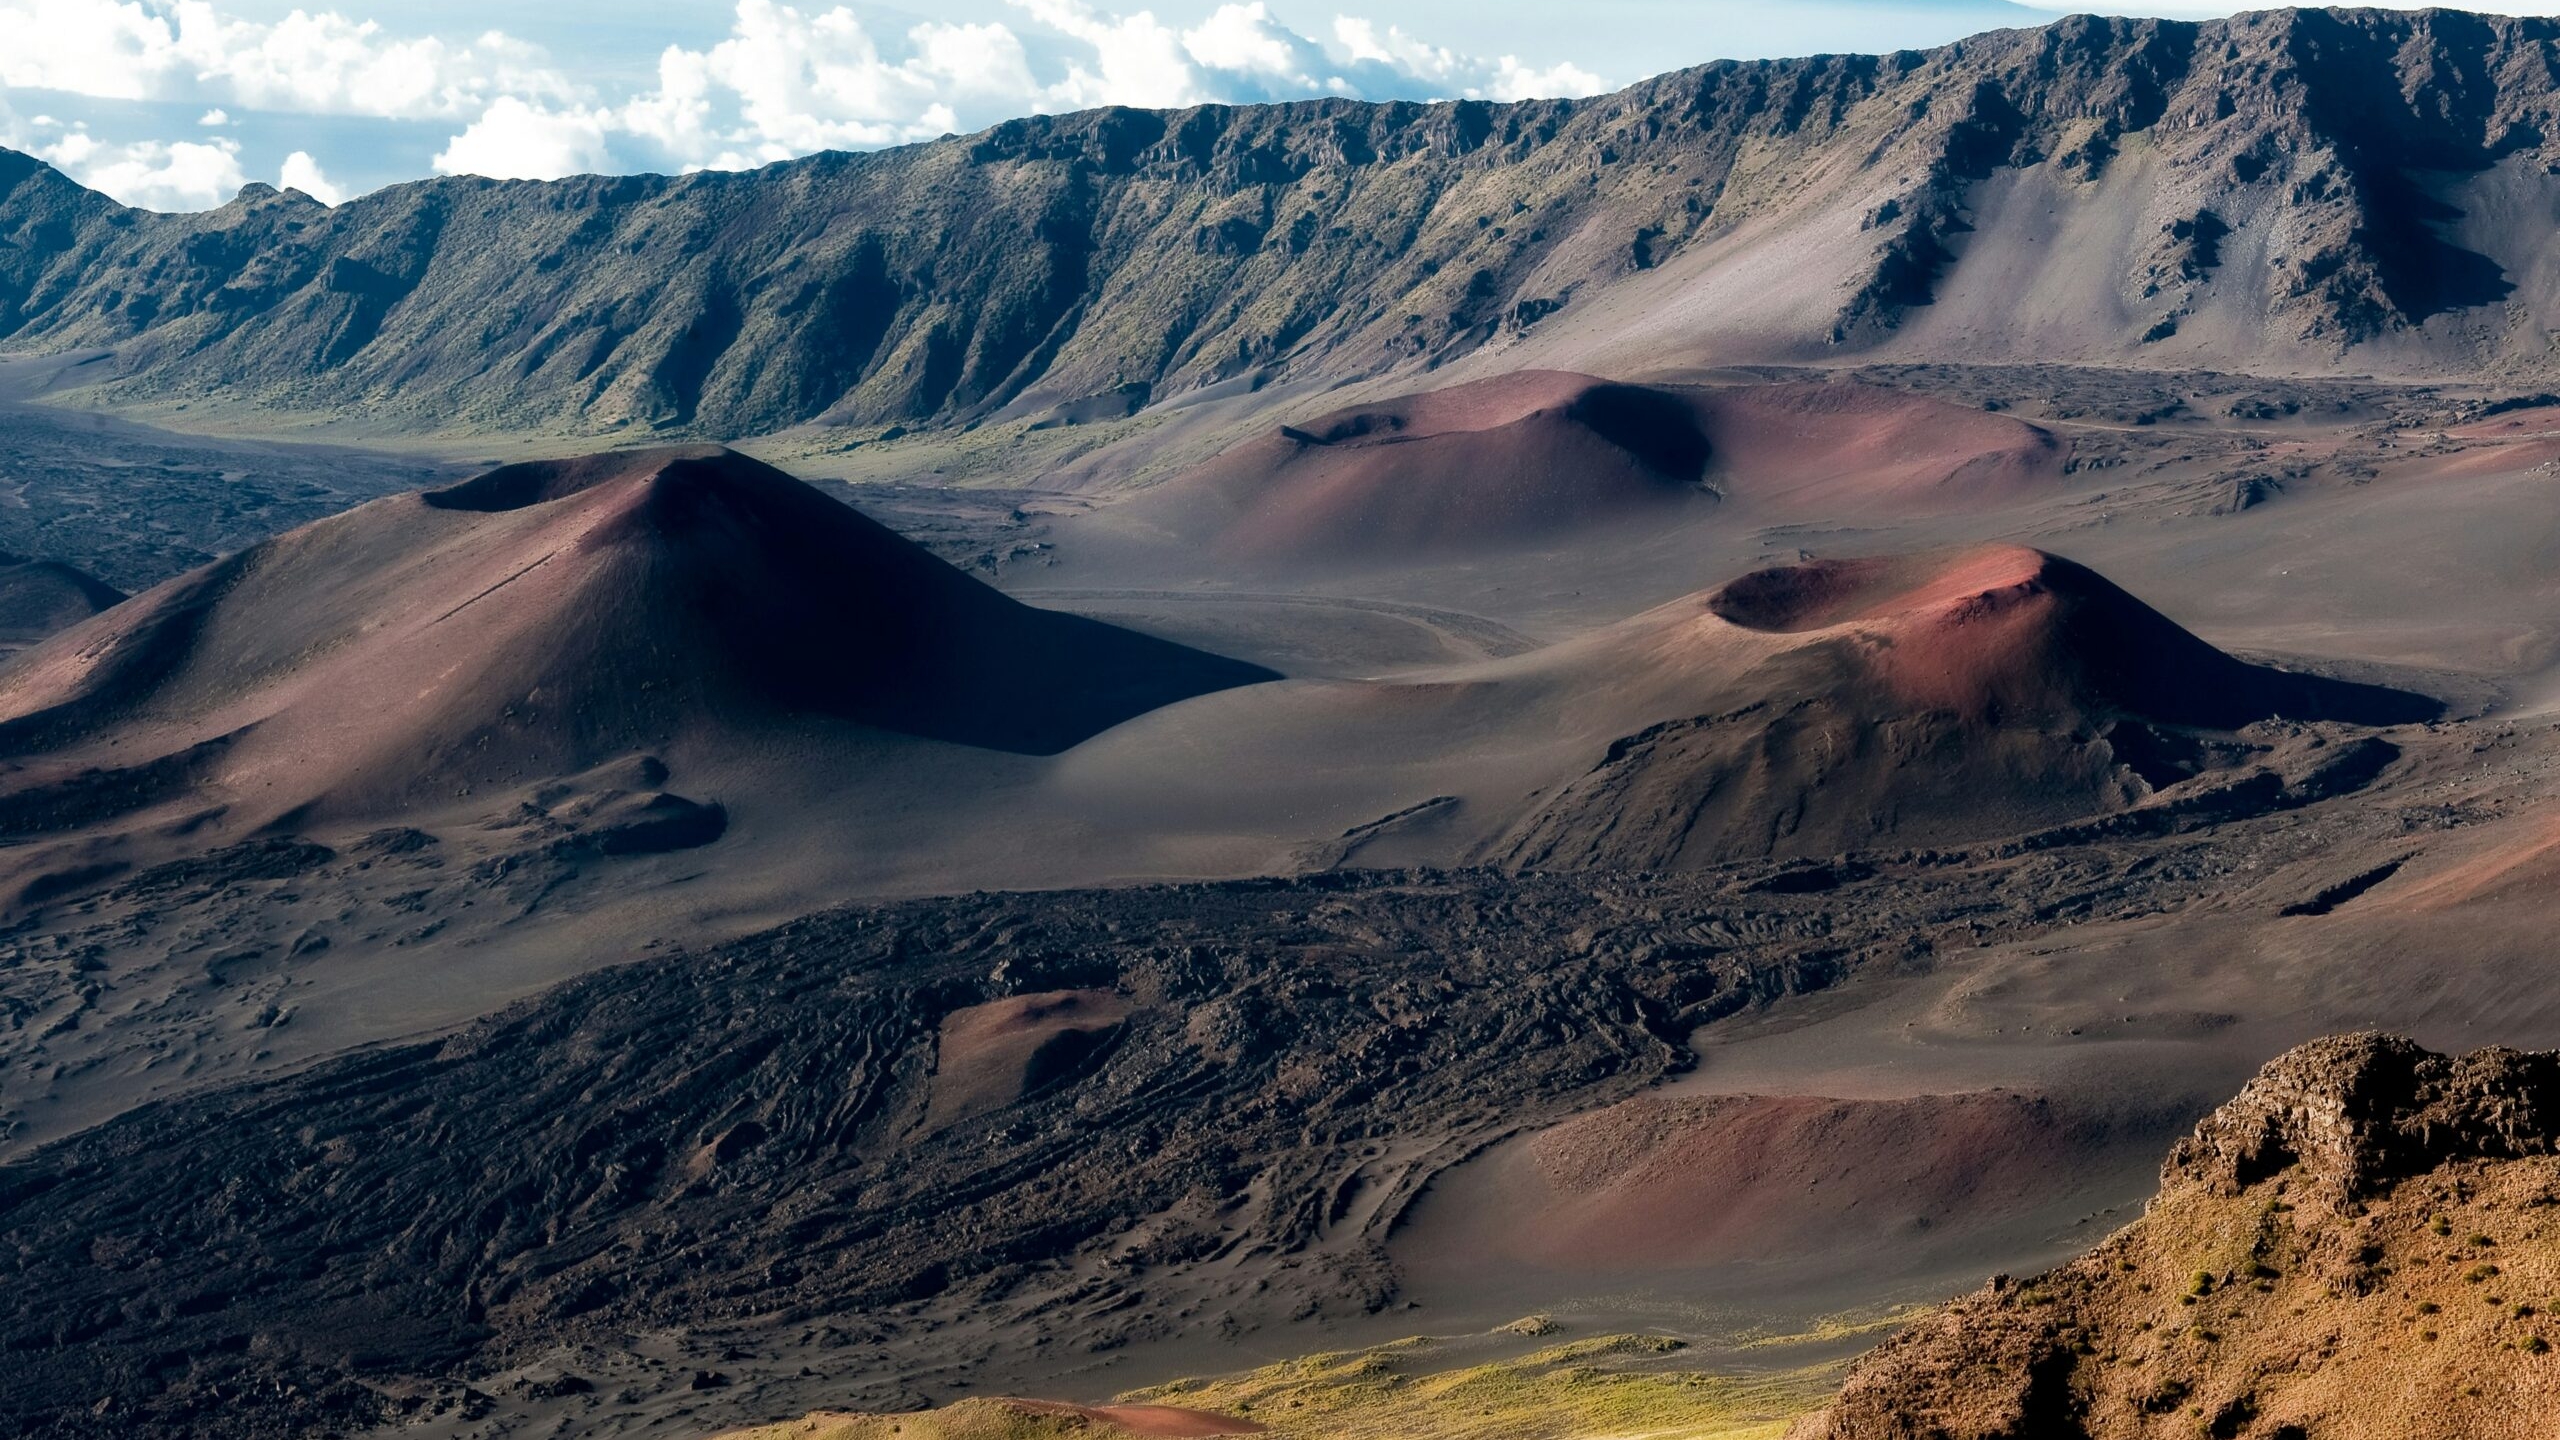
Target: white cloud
<point x="806" y="82"/>
<point x="514" y="140"/>
<point x="1447" y="72"/>
<point x="1512" y="80"/>
<point x="676" y="117"/>
<point x="156" y="175"/>
<point x="323" y="63"/>
<point x="1137" y="59"/>
<point x="328" y="64"/>
<point x="785" y="83"/>
<point x="973" y="61"/>
<point x="786" y="80"/>
<point x="1245" y="40"/>
<point x="113" y="49"/>
<point x="303" y="173"/>
<point x="188" y="175"/>
<point x="1362" y="41"/>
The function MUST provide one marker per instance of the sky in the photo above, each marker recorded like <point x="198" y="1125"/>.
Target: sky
<point x="176" y="104"/>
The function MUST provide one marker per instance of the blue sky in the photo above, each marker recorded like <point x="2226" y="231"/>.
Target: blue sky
<point x="175" y="104"/>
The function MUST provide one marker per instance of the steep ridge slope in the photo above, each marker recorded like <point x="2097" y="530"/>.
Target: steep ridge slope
<point x="2279" y="187"/>
<point x="2361" y="1244"/>
<point x="1932" y="698"/>
<point x="541" y="619"/>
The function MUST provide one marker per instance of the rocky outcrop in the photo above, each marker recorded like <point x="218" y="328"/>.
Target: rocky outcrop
<point x="2360" y="1244"/>
<point x="2353" y="1115"/>
<point x="2290" y="171"/>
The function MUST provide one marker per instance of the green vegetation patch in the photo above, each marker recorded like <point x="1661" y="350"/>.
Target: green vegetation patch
<point x="1596" y="1389"/>
<point x="1617" y="1387"/>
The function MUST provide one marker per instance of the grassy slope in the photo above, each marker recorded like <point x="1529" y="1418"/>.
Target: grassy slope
<point x="1610" y="1388"/>
<point x="2429" y="1312"/>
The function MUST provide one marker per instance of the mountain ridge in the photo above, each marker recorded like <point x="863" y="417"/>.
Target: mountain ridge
<point x="2298" y="187"/>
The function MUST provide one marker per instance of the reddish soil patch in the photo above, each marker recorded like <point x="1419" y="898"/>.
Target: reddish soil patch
<point x="2515" y="424"/>
<point x="1511" y="460"/>
<point x="994" y="1054"/>
<point x="2520" y="862"/>
<point x="1534" y="456"/>
<point x="541" y="619"/>
<point x="1168" y="1420"/>
<point x="2513" y="458"/>
<point x="2002" y="631"/>
<point x="1845" y="451"/>
<point x="1664" y="1181"/>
